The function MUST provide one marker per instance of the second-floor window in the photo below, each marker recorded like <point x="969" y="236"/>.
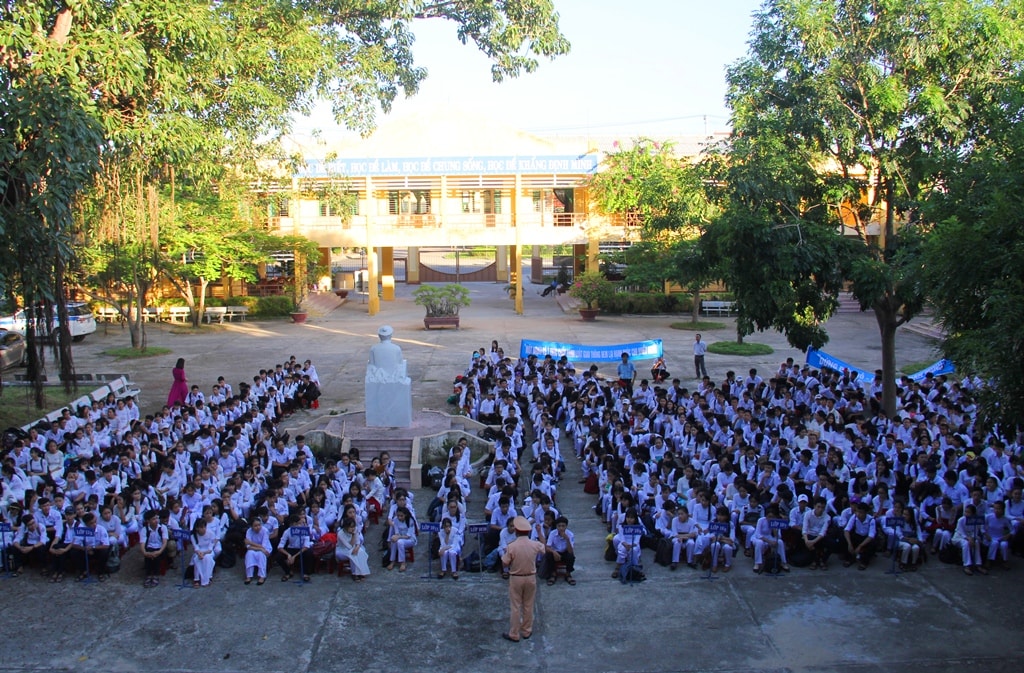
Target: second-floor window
<point x="414" y="202"/>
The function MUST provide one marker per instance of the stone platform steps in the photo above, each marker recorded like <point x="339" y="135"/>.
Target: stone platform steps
<point x="319" y="304"/>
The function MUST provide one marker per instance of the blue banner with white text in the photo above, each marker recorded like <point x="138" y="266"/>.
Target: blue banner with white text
<point x="638" y="350"/>
<point x="821" y="359"/>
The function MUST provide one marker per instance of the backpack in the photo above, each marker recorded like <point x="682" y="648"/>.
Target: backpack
<point x="663" y="554"/>
<point x="114" y="559"/>
<point x="610" y="553"/>
<point x="950" y="553"/>
<point x="590" y="486"/>
<point x="472" y="563"/>
<point x="631" y="573"/>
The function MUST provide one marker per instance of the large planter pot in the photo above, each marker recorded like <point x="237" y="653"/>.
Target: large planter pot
<point x="588" y="314"/>
<point x="299" y="317"/>
<point x="441" y="321"/>
<point x="341" y="294"/>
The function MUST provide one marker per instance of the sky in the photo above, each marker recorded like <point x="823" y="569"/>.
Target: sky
<point x="636" y="67"/>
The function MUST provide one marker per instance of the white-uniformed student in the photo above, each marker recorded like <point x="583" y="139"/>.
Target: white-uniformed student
<point x="451" y="547"/>
<point x="350" y="546"/>
<point x="154" y="539"/>
<point x="997" y="532"/>
<point x="627" y="545"/>
<point x="766" y="537"/>
<point x="257" y="551"/>
<point x="401" y="538"/>
<point x="203" y="555"/>
<point x="910" y="539"/>
<point x="968" y="537"/>
<point x="683" y="535"/>
<point x="295" y="549"/>
<point x="723" y="545"/>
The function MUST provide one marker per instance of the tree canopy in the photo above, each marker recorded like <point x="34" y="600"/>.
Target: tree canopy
<point x="842" y="110"/>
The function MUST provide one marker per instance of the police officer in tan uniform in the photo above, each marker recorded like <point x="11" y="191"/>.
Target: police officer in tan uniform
<point x="521" y="560"/>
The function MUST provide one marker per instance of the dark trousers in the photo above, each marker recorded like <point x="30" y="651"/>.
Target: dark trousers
<point x="304" y="562"/>
<point x="97" y="559"/>
<point x="36" y="557"/>
<point x="152" y="565"/>
<point x="864" y="556"/>
<point x="698" y="365"/>
<point x="568" y="558"/>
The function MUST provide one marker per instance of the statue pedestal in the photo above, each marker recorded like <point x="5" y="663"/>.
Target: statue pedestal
<point x="389" y="405"/>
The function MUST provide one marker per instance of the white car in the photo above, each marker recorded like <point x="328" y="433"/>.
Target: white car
<point x="80" y="321"/>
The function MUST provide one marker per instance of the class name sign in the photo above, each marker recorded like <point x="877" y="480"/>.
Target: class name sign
<point x="637" y="350"/>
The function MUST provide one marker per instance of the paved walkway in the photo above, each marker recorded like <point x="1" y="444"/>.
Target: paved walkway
<point x="842" y="620"/>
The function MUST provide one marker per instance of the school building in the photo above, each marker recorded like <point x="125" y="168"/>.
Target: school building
<point x="449" y="181"/>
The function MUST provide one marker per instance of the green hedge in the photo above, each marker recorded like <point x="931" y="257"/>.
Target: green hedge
<point x="647" y="302"/>
<point x="269" y="307"/>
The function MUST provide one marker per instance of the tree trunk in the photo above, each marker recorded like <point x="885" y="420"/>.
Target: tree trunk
<point x="887" y="320"/>
<point x="695" y="310"/>
<point x="65" y="363"/>
<point x="739" y="333"/>
<point x="203" y="284"/>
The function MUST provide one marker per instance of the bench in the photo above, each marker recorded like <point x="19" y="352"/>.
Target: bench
<point x="236" y="312"/>
<point x="179" y="314"/>
<point x="108" y="314"/>
<point x="122" y="388"/>
<point x="151" y="314"/>
<point x="217" y="313"/>
<point x="717" y="307"/>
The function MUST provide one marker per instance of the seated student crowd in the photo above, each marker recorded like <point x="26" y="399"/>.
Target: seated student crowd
<point x="208" y="468"/>
<point x="810" y="449"/>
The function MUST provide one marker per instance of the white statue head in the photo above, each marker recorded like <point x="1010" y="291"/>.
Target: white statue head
<point x="385" y="332"/>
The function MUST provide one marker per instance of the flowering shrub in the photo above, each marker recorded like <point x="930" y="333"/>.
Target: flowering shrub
<point x="592" y="288"/>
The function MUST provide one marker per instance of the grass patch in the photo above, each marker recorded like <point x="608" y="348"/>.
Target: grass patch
<point x="17" y="406"/>
<point x="190" y="330"/>
<point x="699" y="326"/>
<point x="733" y="348"/>
<point x="129" y="353"/>
<point x="915" y="367"/>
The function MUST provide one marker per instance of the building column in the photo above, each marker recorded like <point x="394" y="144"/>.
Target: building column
<point x="536" y="265"/>
<point x="516" y="276"/>
<point x="387" y="272"/>
<point x="593" y="250"/>
<point x="501" y="263"/>
<point x="579" y="259"/>
<point x="372" y="298"/>
<point x="412" y="266"/>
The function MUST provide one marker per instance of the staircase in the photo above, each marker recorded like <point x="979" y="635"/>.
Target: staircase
<point x="319" y="304"/>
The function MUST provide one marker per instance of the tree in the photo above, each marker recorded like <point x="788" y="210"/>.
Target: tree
<point x="208" y="238"/>
<point x="666" y="195"/>
<point x="859" y="96"/>
<point x="195" y="86"/>
<point x="974" y="258"/>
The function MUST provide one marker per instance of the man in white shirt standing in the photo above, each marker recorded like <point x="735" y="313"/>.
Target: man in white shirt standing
<point x="699" y="349"/>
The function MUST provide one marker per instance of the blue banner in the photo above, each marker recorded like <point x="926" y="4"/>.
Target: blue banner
<point x="943" y="366"/>
<point x="821" y="359"/>
<point x="638" y="350"/>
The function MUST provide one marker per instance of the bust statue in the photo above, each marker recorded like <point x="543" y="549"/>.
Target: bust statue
<point x="388" y="389"/>
<point x="386" y="362"/>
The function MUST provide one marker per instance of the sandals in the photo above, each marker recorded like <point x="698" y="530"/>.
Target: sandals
<point x="968" y="571"/>
<point x="306" y="578"/>
<point x="260" y="581"/>
<point x="440" y="576"/>
<point x="504" y="574"/>
<point x="455" y="576"/>
<point x="82" y="577"/>
<point x="551" y="581"/>
<point x="285" y="578"/>
<point x="390" y="566"/>
<point x="195" y="585"/>
<point x="401" y="567"/>
<point x="571" y="580"/>
<point x="57" y="578"/>
<point x="248" y="581"/>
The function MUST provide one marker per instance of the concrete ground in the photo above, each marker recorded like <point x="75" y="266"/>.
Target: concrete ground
<point x="839" y="620"/>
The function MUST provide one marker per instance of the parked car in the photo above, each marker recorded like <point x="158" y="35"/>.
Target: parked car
<point x="80" y="321"/>
<point x="12" y="349"/>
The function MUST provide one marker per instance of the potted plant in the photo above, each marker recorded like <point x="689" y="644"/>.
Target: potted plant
<point x="442" y="304"/>
<point x="298" y="314"/>
<point x="591" y="288"/>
